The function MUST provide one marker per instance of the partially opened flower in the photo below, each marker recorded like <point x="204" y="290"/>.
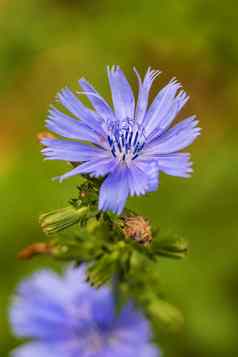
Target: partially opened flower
<point x="66" y="317"/>
<point x="129" y="144"/>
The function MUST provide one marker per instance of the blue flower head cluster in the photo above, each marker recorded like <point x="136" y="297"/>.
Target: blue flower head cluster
<point x="129" y="144"/>
<point x="66" y="317"/>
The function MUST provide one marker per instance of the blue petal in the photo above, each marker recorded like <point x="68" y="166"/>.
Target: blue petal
<point x="144" y="90"/>
<point x="70" y="151"/>
<point x="148" y="351"/>
<point x="34" y="349"/>
<point x="69" y="100"/>
<point x="96" y="167"/>
<point x="68" y="127"/>
<point x="176" y="138"/>
<point x="164" y="108"/>
<point x="165" y="122"/>
<point x="120" y="349"/>
<point x="72" y="348"/>
<point x="122" y="95"/>
<point x="38" y="309"/>
<point x="130" y="323"/>
<point x="103" y="310"/>
<point x="153" y="174"/>
<point x="151" y="170"/>
<point x="47" y="307"/>
<point x="74" y="281"/>
<point x="100" y="105"/>
<point x="114" y="191"/>
<point x="137" y="180"/>
<point x="178" y="164"/>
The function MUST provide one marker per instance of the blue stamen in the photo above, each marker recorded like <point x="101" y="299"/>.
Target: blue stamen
<point x="126" y="140"/>
<point x="134" y="157"/>
<point x="110" y="140"/>
<point x="136" y="137"/>
<point x="127" y="132"/>
<point x="130" y="138"/>
<point x="136" y="148"/>
<point x="119" y="145"/>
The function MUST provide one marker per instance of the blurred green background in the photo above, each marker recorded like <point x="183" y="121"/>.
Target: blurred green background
<point x="46" y="45"/>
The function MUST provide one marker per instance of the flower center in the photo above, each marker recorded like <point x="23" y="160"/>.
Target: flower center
<point x="126" y="140"/>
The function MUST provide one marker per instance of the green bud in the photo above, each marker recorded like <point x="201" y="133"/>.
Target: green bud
<point x="60" y="219"/>
<point x="103" y="270"/>
<point x="166" y="313"/>
<point x="171" y="248"/>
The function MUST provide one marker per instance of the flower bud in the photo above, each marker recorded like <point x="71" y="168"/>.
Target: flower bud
<point x="166" y="313"/>
<point x="172" y="248"/>
<point x="60" y="219"/>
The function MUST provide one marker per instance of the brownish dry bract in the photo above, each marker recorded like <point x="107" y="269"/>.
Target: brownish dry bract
<point x="45" y="135"/>
<point x="137" y="228"/>
<point x="34" y="249"/>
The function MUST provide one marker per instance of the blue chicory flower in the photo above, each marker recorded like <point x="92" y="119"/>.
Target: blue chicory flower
<point x="66" y="317"/>
<point x="129" y="145"/>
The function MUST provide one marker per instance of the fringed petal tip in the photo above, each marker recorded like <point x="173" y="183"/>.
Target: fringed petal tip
<point x="107" y="204"/>
<point x="113" y="68"/>
<point x="114" y="191"/>
<point x="151" y="74"/>
<point x="105" y="208"/>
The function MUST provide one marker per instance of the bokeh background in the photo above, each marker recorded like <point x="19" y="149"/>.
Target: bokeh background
<point x="45" y="45"/>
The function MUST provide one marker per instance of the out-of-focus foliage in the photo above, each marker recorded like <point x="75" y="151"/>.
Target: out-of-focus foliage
<point x="46" y="45"/>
